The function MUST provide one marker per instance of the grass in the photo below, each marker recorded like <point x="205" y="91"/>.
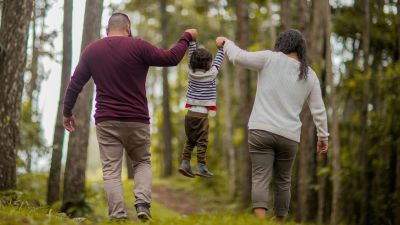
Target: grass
<point x="28" y="208"/>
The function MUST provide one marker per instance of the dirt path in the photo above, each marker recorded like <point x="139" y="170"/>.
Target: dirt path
<point x="177" y="200"/>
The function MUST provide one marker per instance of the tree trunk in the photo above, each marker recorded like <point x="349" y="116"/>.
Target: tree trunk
<point x="16" y="16"/>
<point x="363" y="148"/>
<point x="228" y="146"/>
<point x="335" y="151"/>
<point x="397" y="203"/>
<point x="167" y="127"/>
<point x="285" y="14"/>
<point x="272" y="30"/>
<point x="306" y="147"/>
<point x="244" y="102"/>
<point x="129" y="167"/>
<point x="53" y="189"/>
<point x="74" y="177"/>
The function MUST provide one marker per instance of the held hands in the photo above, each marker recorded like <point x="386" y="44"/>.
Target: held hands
<point x="69" y="123"/>
<point x="322" y="147"/>
<point x="193" y="32"/>
<point x="220" y="41"/>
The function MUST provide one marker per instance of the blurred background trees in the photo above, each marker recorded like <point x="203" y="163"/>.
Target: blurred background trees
<point x="354" y="47"/>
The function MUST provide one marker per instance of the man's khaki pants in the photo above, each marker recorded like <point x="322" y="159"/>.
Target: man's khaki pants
<point x="113" y="138"/>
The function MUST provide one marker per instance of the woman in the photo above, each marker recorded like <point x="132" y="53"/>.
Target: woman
<point x="285" y="83"/>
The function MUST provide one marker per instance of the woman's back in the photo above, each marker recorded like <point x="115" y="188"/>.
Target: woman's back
<point x="280" y="94"/>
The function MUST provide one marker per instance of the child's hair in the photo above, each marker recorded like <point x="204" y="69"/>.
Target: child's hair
<point x="293" y="41"/>
<point x="200" y="60"/>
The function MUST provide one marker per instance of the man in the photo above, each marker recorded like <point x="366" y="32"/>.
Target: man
<point x="118" y="65"/>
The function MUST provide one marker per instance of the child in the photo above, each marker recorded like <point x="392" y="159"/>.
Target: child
<point x="201" y="98"/>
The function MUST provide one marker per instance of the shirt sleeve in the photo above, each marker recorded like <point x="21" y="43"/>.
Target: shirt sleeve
<point x="154" y="56"/>
<point x="80" y="77"/>
<point x="192" y="48"/>
<point x="219" y="57"/>
<point x="248" y="60"/>
<point x="318" y="112"/>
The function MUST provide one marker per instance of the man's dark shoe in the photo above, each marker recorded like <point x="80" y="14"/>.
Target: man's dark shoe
<point x="185" y="169"/>
<point x="202" y="171"/>
<point x="143" y="212"/>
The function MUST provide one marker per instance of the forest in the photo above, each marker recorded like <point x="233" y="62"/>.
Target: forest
<point x="51" y="176"/>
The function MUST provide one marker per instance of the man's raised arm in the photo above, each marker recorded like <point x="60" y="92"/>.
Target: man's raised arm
<point x="154" y="56"/>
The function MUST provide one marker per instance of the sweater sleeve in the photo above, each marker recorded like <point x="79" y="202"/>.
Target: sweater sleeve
<point x="218" y="59"/>
<point x="192" y="48"/>
<point x="240" y="57"/>
<point x="317" y="108"/>
<point x="80" y="77"/>
<point x="154" y="56"/>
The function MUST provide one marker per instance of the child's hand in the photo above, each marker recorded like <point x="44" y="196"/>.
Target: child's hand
<point x="220" y="41"/>
<point x="193" y="32"/>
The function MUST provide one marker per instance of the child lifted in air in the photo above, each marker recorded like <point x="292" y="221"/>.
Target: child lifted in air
<point x="201" y="99"/>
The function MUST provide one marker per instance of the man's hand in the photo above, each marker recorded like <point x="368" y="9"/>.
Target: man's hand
<point x="322" y="147"/>
<point x="220" y="41"/>
<point x="193" y="32"/>
<point x="69" y="123"/>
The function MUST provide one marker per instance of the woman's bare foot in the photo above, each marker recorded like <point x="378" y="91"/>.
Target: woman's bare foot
<point x="260" y="213"/>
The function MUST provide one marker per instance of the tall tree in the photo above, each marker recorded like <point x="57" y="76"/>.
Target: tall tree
<point x="74" y="176"/>
<point x="15" y="19"/>
<point x="306" y="148"/>
<point x="53" y="189"/>
<point x="363" y="148"/>
<point x="397" y="209"/>
<point x="228" y="146"/>
<point x="285" y="14"/>
<point x="242" y="12"/>
<point x="166" y="126"/>
<point x="334" y="123"/>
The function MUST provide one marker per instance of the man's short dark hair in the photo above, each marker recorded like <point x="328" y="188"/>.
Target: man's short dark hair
<point x="118" y="21"/>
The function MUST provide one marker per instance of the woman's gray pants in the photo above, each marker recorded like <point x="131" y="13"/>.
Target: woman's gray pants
<point x="271" y="156"/>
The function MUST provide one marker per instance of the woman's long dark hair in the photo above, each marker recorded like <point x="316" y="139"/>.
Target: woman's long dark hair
<point x="293" y="41"/>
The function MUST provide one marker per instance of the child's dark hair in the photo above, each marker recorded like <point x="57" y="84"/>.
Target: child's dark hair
<point x="293" y="41"/>
<point x="200" y="60"/>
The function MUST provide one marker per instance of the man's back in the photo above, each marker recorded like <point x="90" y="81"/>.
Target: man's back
<point x="119" y="66"/>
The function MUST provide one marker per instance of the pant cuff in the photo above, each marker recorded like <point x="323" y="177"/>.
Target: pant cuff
<point x="260" y="205"/>
<point x="281" y="212"/>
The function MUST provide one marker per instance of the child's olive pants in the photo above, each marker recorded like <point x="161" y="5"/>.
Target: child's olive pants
<point x="196" y="129"/>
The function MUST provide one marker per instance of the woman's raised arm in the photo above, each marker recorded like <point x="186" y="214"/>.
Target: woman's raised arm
<point x="240" y="57"/>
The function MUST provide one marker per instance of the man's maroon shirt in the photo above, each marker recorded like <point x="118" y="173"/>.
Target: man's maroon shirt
<point x="119" y="66"/>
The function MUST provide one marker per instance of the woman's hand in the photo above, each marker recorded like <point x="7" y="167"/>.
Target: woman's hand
<point x="220" y="41"/>
<point x="322" y="147"/>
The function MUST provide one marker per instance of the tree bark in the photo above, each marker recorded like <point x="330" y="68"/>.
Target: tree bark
<point x="363" y="148"/>
<point x="74" y="177"/>
<point x="334" y="123"/>
<point x="272" y="30"/>
<point x="242" y="12"/>
<point x="167" y="126"/>
<point x="306" y="147"/>
<point x="285" y="14"/>
<point x="129" y="166"/>
<point x="397" y="203"/>
<point x="53" y="189"/>
<point x="15" y="19"/>
<point x="228" y="146"/>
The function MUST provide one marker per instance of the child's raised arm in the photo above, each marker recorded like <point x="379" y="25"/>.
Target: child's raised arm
<point x="192" y="48"/>
<point x="218" y="58"/>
